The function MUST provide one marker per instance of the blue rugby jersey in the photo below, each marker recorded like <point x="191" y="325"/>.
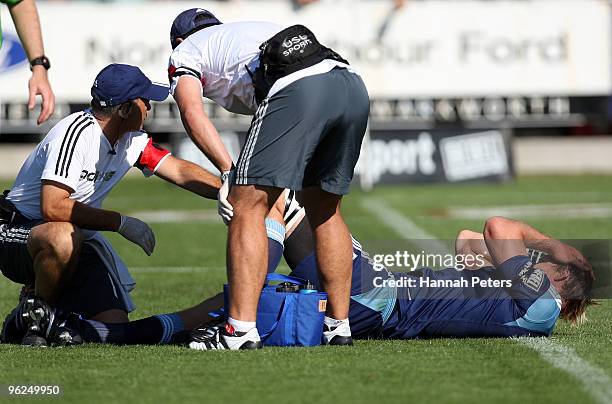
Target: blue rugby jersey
<point x="530" y="306"/>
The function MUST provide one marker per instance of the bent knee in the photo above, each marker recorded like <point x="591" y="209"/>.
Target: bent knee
<point x="251" y="199"/>
<point x="60" y="237"/>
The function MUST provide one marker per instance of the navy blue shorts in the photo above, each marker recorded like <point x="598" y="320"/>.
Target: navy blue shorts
<point x="90" y="291"/>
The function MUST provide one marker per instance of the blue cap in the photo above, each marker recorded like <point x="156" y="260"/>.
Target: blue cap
<point x="190" y="21"/>
<point x="118" y="83"/>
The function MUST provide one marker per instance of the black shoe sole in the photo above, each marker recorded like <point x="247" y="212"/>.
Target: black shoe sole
<point x="251" y="345"/>
<point x="34" y="341"/>
<point x="72" y="339"/>
<point x="339" y="340"/>
<point x="33" y="316"/>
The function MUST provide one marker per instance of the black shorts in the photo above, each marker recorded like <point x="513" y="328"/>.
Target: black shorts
<point x="15" y="260"/>
<point x="90" y="291"/>
<point x="307" y="134"/>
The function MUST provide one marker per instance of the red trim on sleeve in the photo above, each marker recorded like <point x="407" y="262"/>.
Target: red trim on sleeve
<point x="151" y="156"/>
<point x="171" y="70"/>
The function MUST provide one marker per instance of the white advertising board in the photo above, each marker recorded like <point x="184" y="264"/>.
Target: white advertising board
<point x="427" y="49"/>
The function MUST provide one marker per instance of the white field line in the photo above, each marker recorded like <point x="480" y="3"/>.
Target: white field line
<point x="178" y="216"/>
<point x="594" y="380"/>
<point x="189" y="270"/>
<point x="573" y="210"/>
<point x="404" y="227"/>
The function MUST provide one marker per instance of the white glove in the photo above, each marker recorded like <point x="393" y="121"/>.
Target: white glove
<point x="226" y="210"/>
<point x="138" y="232"/>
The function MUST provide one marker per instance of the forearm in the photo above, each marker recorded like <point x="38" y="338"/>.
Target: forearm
<point x="188" y="95"/>
<point x="190" y="176"/>
<point x="537" y="240"/>
<point x="82" y="215"/>
<point x="200" y="182"/>
<point x="203" y="133"/>
<point x="27" y="23"/>
<point x="558" y="252"/>
<point x="472" y="244"/>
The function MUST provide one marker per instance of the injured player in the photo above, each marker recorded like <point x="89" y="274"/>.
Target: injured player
<point x="512" y="295"/>
<point x="532" y="297"/>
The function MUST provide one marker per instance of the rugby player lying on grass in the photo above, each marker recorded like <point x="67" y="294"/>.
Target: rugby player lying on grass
<point x="535" y="297"/>
<point x="530" y="307"/>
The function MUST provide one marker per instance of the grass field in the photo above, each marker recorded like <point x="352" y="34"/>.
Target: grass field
<point x="188" y="265"/>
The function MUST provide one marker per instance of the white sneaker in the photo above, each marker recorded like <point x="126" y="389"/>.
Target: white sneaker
<point x="338" y="335"/>
<point x="224" y="337"/>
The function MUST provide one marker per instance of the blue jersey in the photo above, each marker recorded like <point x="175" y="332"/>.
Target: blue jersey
<point x="470" y="306"/>
<point x="427" y="303"/>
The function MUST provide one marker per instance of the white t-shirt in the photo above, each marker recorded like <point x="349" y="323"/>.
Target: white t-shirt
<point x="218" y="57"/>
<point x="77" y="154"/>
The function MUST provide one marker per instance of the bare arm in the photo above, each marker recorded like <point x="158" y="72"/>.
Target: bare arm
<point x="188" y="96"/>
<point x="506" y="238"/>
<point x="189" y="176"/>
<point x="27" y="23"/>
<point x="56" y="206"/>
<point x="471" y="243"/>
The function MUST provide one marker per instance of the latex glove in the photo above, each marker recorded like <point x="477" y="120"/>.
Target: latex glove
<point x="138" y="232"/>
<point x="226" y="210"/>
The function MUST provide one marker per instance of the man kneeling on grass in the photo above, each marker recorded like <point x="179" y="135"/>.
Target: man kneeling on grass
<point x="50" y="218"/>
<point x="527" y="301"/>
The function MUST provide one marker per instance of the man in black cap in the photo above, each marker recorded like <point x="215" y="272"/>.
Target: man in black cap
<point x="311" y="110"/>
<point x="50" y="218"/>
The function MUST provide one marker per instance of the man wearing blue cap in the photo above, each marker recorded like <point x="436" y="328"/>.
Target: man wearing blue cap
<point x="311" y="110"/>
<point x="50" y="218"/>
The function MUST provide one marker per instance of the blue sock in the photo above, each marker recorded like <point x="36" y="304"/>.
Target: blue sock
<point x="276" y="243"/>
<point x="172" y="324"/>
<point x="151" y="330"/>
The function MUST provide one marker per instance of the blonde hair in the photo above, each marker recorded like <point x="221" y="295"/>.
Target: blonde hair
<point x="576" y="295"/>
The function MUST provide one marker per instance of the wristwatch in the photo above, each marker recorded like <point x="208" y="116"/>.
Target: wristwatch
<point x="40" y="61"/>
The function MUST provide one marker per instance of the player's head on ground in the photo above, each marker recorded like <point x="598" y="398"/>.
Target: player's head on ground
<point x="190" y="21"/>
<point x="575" y="286"/>
<point x="122" y="93"/>
<point x="577" y="294"/>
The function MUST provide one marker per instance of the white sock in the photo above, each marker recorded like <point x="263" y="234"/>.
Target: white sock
<point x="241" y="326"/>
<point x="332" y="322"/>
